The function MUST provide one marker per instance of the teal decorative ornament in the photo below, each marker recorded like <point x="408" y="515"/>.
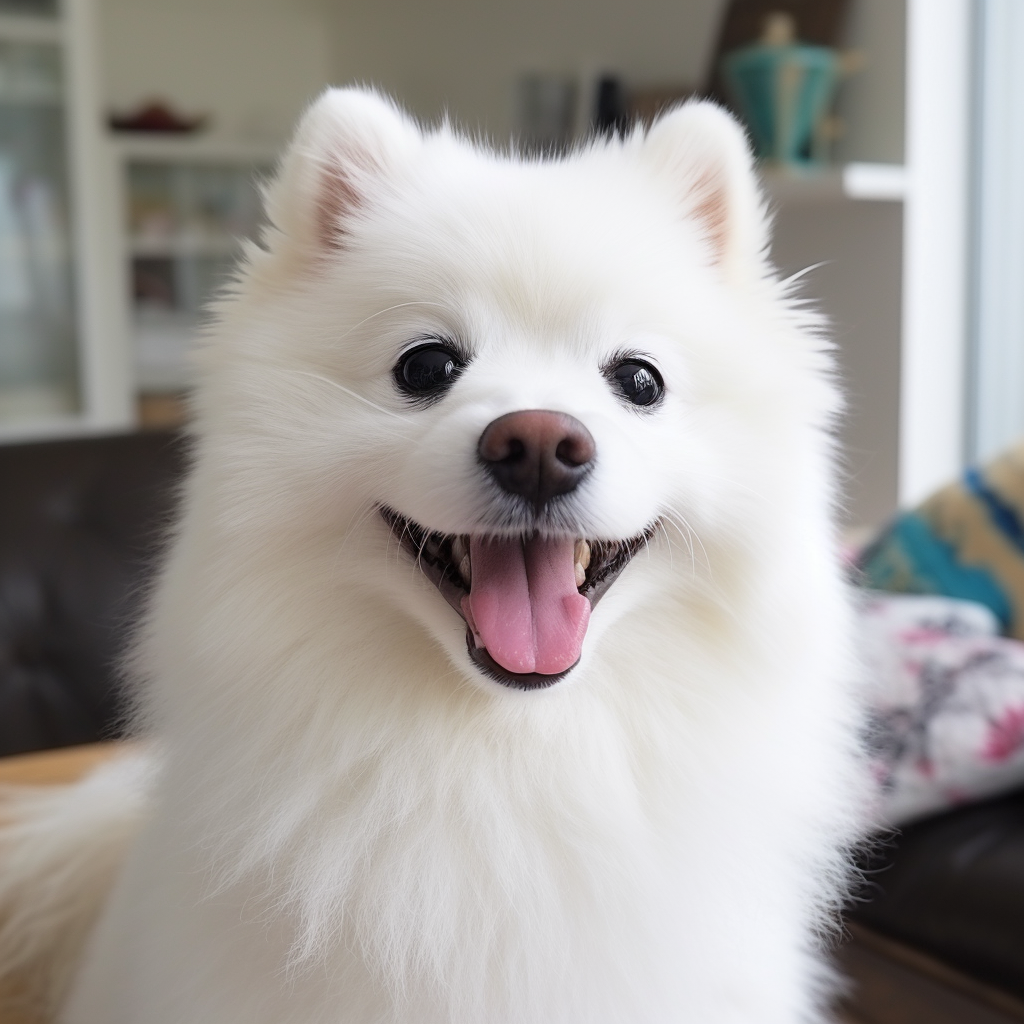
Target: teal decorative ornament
<point x="783" y="89"/>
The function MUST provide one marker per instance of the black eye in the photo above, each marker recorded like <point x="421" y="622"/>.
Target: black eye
<point x="639" y="382"/>
<point x="428" y="371"/>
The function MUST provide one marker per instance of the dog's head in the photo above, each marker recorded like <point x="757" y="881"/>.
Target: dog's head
<point x="497" y="387"/>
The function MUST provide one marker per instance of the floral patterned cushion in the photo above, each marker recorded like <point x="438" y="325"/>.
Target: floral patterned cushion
<point x="947" y="697"/>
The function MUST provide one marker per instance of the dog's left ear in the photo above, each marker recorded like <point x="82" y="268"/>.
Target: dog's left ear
<point x="705" y="153"/>
<point x="347" y="145"/>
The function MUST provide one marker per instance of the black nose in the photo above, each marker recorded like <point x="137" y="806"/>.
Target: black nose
<point x="537" y="454"/>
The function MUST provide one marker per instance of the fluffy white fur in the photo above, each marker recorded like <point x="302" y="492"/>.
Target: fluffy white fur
<point x="350" y="823"/>
<point x="60" y="850"/>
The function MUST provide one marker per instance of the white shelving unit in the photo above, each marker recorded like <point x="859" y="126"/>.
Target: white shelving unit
<point x="62" y="367"/>
<point x="188" y="201"/>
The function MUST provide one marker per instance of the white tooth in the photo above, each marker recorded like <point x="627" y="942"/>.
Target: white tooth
<point x="459" y="551"/>
<point x="465" y="569"/>
<point x="581" y="575"/>
<point x="581" y="553"/>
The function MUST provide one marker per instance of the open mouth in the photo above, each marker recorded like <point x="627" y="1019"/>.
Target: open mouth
<point x="526" y="601"/>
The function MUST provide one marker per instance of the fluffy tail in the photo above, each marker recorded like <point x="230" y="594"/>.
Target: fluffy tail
<point x="60" y="849"/>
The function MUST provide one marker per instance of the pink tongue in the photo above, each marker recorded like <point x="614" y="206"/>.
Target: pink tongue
<point x="523" y="605"/>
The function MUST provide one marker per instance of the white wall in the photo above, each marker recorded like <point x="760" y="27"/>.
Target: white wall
<point x="251" y="64"/>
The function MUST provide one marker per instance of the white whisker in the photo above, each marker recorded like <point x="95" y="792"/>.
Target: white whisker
<point x="352" y="394"/>
<point x="390" y="309"/>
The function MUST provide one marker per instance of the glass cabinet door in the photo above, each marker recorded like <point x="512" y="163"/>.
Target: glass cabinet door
<point x="38" y="360"/>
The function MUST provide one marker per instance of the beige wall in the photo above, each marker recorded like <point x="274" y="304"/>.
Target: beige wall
<point x="466" y="55"/>
<point x="859" y="247"/>
<point x="871" y="101"/>
<point x="252" y="64"/>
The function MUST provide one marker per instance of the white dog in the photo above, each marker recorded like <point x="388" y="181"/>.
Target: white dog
<point x="498" y="670"/>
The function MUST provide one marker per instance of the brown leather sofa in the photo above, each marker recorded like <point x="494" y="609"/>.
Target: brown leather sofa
<point x="80" y="527"/>
<point x="935" y="937"/>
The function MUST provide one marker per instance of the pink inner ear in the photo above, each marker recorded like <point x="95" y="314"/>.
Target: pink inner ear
<point x="338" y="198"/>
<point x="711" y="210"/>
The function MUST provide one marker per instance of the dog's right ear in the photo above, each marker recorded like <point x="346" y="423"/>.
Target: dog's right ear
<point x="345" y="146"/>
<point x="705" y="153"/>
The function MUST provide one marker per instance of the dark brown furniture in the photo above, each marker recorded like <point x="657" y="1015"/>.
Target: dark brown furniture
<point x="81" y="523"/>
<point x="937" y="936"/>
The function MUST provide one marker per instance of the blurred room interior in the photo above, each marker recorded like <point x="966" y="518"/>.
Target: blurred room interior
<point x="133" y="134"/>
<point x="149" y="219"/>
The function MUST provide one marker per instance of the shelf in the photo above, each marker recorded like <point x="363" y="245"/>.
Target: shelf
<point x="57" y="427"/>
<point x="863" y="182"/>
<point x="183" y="248"/>
<point x="880" y="182"/>
<point x="156" y="148"/>
<point x="162" y="379"/>
<point x="163" y="339"/>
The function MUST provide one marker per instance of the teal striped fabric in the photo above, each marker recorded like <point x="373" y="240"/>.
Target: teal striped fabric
<point x="965" y="541"/>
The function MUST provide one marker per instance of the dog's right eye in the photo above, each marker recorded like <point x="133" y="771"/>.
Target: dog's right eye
<point x="428" y="371"/>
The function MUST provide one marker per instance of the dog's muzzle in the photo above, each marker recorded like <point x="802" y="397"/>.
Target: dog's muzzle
<point x="526" y="594"/>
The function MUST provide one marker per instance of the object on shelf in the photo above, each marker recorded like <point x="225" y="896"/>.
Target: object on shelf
<point x="610" y="106"/>
<point x="782" y="89"/>
<point x="546" y="112"/>
<point x="162" y="411"/>
<point x="157" y="116"/>
<point x="644" y="105"/>
<point x="153" y="283"/>
<point x="819" y="22"/>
